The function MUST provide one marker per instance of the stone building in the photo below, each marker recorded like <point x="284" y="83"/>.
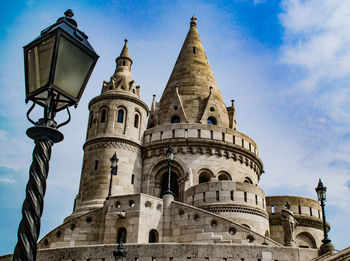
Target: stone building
<point x="216" y="211"/>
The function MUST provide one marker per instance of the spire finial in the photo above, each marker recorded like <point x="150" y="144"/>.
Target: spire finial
<point x="125" y="52"/>
<point x="193" y="21"/>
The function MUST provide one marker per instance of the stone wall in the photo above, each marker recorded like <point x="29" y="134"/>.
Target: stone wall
<point x="177" y="252"/>
<point x="238" y="201"/>
<point x="309" y="230"/>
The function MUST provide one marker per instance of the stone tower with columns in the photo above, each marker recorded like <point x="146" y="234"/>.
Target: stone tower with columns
<point x="117" y="121"/>
<point x="216" y="211"/>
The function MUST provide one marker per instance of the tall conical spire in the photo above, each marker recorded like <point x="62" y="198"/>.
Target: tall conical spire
<point x="193" y="77"/>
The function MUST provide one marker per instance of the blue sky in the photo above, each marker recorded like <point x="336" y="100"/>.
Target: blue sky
<point x="286" y="63"/>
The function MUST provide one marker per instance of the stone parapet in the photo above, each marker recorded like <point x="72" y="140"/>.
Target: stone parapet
<point x="307" y="212"/>
<point x="177" y="252"/>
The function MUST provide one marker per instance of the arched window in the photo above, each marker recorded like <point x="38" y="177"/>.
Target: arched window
<point x="248" y="180"/>
<point x="153" y="236"/>
<point x="224" y="176"/>
<point x="204" y="177"/>
<point x="211" y="120"/>
<point x="305" y="240"/>
<point x="122" y="234"/>
<point x="91" y="119"/>
<point x="120" y="116"/>
<point x="175" y="119"/>
<point x="103" y="116"/>
<point x="136" y="122"/>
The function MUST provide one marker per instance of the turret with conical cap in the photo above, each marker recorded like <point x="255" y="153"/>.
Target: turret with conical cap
<point x="117" y="122"/>
<point x="192" y="87"/>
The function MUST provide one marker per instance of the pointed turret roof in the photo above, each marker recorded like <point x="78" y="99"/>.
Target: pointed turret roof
<point x="121" y="80"/>
<point x="192" y="77"/>
<point x="124" y="54"/>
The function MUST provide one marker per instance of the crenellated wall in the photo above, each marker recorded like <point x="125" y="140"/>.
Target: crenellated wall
<point x="309" y="230"/>
<point x="241" y="202"/>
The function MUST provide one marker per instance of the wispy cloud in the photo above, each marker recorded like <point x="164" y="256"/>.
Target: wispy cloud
<point x="317" y="40"/>
<point x="7" y="180"/>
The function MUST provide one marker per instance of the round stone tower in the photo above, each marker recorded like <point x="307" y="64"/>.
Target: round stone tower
<point x="215" y="167"/>
<point x="117" y="121"/>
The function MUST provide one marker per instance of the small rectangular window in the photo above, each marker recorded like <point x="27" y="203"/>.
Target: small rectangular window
<point x="234" y="139"/>
<point x="194" y="50"/>
<point x="132" y="178"/>
<point x="272" y="209"/>
<point x="96" y="164"/>
<point x="223" y="136"/>
<point x="161" y="135"/>
<point x="173" y="133"/>
<point x="310" y="211"/>
<point x="250" y="146"/>
<point x="263" y="202"/>
<point x="299" y="209"/>
<point x="203" y="196"/>
<point x="192" y="199"/>
<point x="232" y="197"/>
<point x="245" y="196"/>
<point x="256" y="199"/>
<point x="186" y="133"/>
<point x="243" y="143"/>
<point x="211" y="135"/>
<point x="217" y="195"/>
<point x="150" y="137"/>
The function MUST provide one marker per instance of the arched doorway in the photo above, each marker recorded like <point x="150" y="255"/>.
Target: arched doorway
<point x="121" y="234"/>
<point x="153" y="236"/>
<point x="174" y="184"/>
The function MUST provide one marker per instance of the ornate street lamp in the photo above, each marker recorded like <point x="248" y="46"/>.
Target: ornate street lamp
<point x="114" y="168"/>
<point x="58" y="65"/>
<point x="120" y="254"/>
<point x="170" y="157"/>
<point x="321" y="195"/>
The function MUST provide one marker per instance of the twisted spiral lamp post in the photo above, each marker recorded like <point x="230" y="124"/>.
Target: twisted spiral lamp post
<point x="327" y="246"/>
<point x="58" y="65"/>
<point x="170" y="157"/>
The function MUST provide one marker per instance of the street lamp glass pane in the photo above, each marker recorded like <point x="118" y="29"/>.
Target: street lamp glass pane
<point x="72" y="68"/>
<point x="39" y="64"/>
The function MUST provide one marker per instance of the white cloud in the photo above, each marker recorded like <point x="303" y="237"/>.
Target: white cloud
<point x="317" y="38"/>
<point x="7" y="180"/>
